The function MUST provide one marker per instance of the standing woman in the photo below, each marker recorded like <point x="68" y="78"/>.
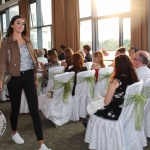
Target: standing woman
<point x="17" y="57"/>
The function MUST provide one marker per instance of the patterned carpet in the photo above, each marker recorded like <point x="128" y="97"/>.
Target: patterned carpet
<point x="70" y="136"/>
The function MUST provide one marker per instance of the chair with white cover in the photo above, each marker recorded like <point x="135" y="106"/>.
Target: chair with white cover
<point x="101" y="85"/>
<point x="59" y="108"/>
<point x="122" y="134"/>
<point x="4" y="91"/>
<point x="52" y="71"/>
<point x="146" y="93"/>
<point x="88" y="65"/>
<point x="40" y="78"/>
<point x="84" y="94"/>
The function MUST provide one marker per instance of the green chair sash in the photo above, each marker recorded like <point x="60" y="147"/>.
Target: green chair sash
<point x="146" y="92"/>
<point x="90" y="80"/>
<point x="40" y="79"/>
<point x="139" y="101"/>
<point x="51" y="74"/>
<point x="104" y="76"/>
<point x="67" y="88"/>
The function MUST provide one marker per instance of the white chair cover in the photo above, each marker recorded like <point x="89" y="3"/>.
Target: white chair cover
<point x="54" y="108"/>
<point x="4" y="92"/>
<point x="52" y="71"/>
<point x="88" y="65"/>
<point x="23" y="105"/>
<point x="82" y="96"/>
<point x="39" y="77"/>
<point x="102" y="85"/>
<point x="146" y="93"/>
<point x="104" y="134"/>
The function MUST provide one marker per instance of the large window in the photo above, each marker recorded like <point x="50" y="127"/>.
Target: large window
<point x="109" y="26"/>
<point x="6" y="16"/>
<point x="33" y="19"/>
<point x="126" y="32"/>
<point x="33" y="36"/>
<point x="4" y="27"/>
<point x="13" y="11"/>
<point x="85" y="33"/>
<point x="109" y="7"/>
<point x="46" y="34"/>
<point x="108" y="33"/>
<point x="41" y="22"/>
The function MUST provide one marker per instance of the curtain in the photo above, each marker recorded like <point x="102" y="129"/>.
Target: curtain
<point x="25" y="12"/>
<point x="66" y="24"/>
<point x="139" y="24"/>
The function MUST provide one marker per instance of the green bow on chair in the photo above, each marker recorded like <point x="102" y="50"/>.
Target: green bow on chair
<point x="67" y="88"/>
<point x="40" y="79"/>
<point x="103" y="76"/>
<point x="51" y="74"/>
<point x="139" y="101"/>
<point x="146" y="92"/>
<point x="91" y="81"/>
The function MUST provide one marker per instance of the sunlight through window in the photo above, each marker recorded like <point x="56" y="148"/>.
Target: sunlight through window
<point x="108" y="7"/>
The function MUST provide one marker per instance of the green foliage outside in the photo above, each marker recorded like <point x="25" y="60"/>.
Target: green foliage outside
<point x="108" y="44"/>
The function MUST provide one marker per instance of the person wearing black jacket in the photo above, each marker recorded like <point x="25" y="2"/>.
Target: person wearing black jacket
<point x="87" y="49"/>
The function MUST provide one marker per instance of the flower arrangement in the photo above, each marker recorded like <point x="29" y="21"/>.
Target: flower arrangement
<point x="104" y="52"/>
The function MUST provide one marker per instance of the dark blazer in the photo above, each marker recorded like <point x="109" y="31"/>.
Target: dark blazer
<point x="88" y="57"/>
<point x="61" y="56"/>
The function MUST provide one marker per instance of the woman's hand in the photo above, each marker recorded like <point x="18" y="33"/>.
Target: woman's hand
<point x="1" y="84"/>
<point x="63" y="63"/>
<point x="42" y="65"/>
<point x="36" y="84"/>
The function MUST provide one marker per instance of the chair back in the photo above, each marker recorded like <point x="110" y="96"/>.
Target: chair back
<point x="101" y="85"/>
<point x="53" y="71"/>
<point x="85" y="83"/>
<point x="88" y="65"/>
<point x="128" y="111"/>
<point x="59" y="87"/>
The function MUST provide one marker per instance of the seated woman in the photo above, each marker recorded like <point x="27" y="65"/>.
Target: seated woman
<point x="132" y="50"/>
<point x="68" y="53"/>
<point x="98" y="62"/>
<point x="52" y="62"/>
<point x="83" y="55"/>
<point x="124" y="75"/>
<point x="120" y="51"/>
<point x="78" y="66"/>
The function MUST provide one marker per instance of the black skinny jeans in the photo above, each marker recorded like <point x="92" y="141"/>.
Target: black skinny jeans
<point x="25" y="81"/>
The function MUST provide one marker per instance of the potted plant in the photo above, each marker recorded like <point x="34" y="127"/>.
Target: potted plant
<point x="105" y="52"/>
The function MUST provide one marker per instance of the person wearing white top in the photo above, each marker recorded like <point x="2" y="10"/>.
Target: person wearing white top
<point x="140" y="61"/>
<point x="41" y="57"/>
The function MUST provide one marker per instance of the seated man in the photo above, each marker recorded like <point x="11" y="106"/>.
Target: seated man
<point x="141" y="60"/>
<point x="61" y="55"/>
<point x="86" y="49"/>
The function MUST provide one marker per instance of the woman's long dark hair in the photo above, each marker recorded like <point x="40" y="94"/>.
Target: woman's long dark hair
<point x="124" y="66"/>
<point x="10" y="29"/>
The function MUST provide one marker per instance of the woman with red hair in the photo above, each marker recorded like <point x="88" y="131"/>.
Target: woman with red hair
<point x="78" y="66"/>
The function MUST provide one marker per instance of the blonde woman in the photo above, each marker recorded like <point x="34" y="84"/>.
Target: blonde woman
<point x="52" y="62"/>
<point x="68" y="53"/>
<point x="98" y="62"/>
